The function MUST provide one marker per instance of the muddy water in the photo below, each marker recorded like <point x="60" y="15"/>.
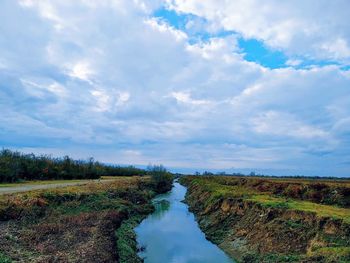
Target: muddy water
<point x="171" y="234"/>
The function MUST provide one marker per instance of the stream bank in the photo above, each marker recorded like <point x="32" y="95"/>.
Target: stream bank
<point x="72" y="224"/>
<point x="250" y="231"/>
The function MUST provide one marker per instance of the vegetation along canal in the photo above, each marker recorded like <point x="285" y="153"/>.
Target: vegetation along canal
<point x="171" y="233"/>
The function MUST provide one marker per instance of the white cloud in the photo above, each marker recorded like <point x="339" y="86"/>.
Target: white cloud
<point x="39" y="87"/>
<point x="220" y="48"/>
<point x="185" y="97"/>
<point x="281" y="124"/>
<point x="293" y="62"/>
<point x="81" y="70"/>
<point x="166" y="29"/>
<point x="108" y="101"/>
<point x="105" y="77"/>
<point x="316" y="28"/>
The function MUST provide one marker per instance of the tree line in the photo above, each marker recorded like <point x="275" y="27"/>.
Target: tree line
<point x="16" y="166"/>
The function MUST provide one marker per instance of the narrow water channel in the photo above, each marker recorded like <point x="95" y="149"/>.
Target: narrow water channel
<point x="171" y="234"/>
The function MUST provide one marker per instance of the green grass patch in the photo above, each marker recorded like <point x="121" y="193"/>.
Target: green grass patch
<point x="336" y="241"/>
<point x="280" y="258"/>
<point x="320" y="210"/>
<point x="293" y="224"/>
<point x="271" y="258"/>
<point x="126" y="240"/>
<point x="333" y="254"/>
<point x="91" y="203"/>
<point x="4" y="258"/>
<point x="270" y="201"/>
<point x="340" y="251"/>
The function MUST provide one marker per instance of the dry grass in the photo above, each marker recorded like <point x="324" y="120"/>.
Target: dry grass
<point x="44" y="182"/>
<point x="262" y="191"/>
<point x="336" y="182"/>
<point x="70" y="224"/>
<point x="90" y="186"/>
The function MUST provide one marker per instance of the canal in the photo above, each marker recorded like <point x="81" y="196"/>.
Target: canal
<point x="172" y="235"/>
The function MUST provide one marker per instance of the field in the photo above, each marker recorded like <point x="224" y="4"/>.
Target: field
<point x="82" y="223"/>
<point x="288" y="220"/>
<point x="254" y="219"/>
<point x="41" y="182"/>
<point x="325" y="198"/>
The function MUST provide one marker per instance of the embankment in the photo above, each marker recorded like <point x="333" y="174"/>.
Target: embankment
<point x="253" y="224"/>
<point x="86" y="223"/>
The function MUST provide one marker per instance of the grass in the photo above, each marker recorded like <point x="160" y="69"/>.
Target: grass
<point x="4" y="258"/>
<point x="74" y="223"/>
<point x="75" y="197"/>
<point x="333" y="254"/>
<point x="126" y="240"/>
<point x="293" y="224"/>
<point x="46" y="182"/>
<point x="220" y="187"/>
<point x="91" y="185"/>
<point x="327" y="254"/>
<point x="90" y="203"/>
<point x="239" y="201"/>
<point x="318" y="209"/>
<point x="341" y="251"/>
<point x="335" y="182"/>
<point x="269" y="201"/>
<point x="282" y="258"/>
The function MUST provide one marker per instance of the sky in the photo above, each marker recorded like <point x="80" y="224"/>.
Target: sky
<point x="220" y="85"/>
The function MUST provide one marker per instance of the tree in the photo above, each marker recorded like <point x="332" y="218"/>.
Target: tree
<point x="161" y="178"/>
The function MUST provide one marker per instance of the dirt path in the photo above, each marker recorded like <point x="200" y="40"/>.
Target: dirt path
<point x="28" y="187"/>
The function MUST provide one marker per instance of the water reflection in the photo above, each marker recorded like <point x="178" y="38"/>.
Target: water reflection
<point x="161" y="206"/>
<point x="172" y="235"/>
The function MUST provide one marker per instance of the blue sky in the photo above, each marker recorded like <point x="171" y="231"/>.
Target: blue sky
<point x="195" y="85"/>
<point x="252" y="49"/>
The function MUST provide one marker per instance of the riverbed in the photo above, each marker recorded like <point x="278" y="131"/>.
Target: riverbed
<point x="172" y="235"/>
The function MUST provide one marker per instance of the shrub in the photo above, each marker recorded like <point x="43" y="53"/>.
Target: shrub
<point x="294" y="191"/>
<point x="161" y="178"/>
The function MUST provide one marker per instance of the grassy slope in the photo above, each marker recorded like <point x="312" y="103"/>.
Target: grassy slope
<point x="74" y="224"/>
<point x="266" y="198"/>
<point x="217" y="188"/>
<point x="318" y="209"/>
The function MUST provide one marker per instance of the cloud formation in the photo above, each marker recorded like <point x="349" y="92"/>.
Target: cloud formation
<point x="108" y="79"/>
<point x="314" y="29"/>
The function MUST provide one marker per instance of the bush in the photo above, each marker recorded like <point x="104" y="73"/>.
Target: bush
<point x="161" y="178"/>
<point x="294" y="191"/>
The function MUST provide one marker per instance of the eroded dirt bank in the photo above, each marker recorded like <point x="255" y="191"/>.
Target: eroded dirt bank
<point x="253" y="231"/>
<point x="90" y="223"/>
